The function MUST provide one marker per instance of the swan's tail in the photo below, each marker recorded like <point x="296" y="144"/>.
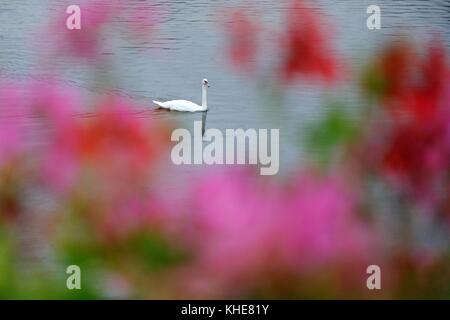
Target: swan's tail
<point x="158" y="103"/>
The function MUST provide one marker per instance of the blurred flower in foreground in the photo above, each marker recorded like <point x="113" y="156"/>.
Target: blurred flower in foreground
<point x="330" y="138"/>
<point x="105" y="164"/>
<point x="96" y="17"/>
<point x="322" y="225"/>
<point x="11" y="138"/>
<point x="12" y="155"/>
<point x="243" y="37"/>
<point x="417" y="157"/>
<point x="410" y="84"/>
<point x="250" y="236"/>
<point x="307" y="49"/>
<point x="44" y="100"/>
<point x="86" y="42"/>
<point x="233" y="234"/>
<point x="415" y="149"/>
<point x="14" y="151"/>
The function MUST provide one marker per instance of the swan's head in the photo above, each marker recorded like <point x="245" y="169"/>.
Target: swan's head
<point x="206" y="83"/>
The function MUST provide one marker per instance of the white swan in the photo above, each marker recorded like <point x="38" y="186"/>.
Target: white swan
<point x="187" y="106"/>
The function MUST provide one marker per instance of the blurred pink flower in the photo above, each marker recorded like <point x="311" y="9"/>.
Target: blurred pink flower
<point x="44" y="98"/>
<point x="45" y="102"/>
<point x="244" y="231"/>
<point x="53" y="101"/>
<point x="96" y="16"/>
<point x="126" y="211"/>
<point x="86" y="42"/>
<point x="320" y="225"/>
<point x="103" y="162"/>
<point x="12" y="98"/>
<point x="233" y="230"/>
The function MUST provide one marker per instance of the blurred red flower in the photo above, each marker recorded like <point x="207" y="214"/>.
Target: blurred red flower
<point x="104" y="165"/>
<point x="412" y="84"/>
<point x="243" y="38"/>
<point x="114" y="142"/>
<point x="307" y="50"/>
<point x="415" y="90"/>
<point x="417" y="156"/>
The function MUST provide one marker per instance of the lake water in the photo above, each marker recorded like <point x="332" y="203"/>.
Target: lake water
<point x="189" y="46"/>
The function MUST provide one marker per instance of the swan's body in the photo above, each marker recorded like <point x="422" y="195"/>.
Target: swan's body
<point x="180" y="105"/>
<point x="185" y="105"/>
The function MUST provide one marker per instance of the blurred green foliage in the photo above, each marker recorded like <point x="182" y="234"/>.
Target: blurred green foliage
<point x="325" y="138"/>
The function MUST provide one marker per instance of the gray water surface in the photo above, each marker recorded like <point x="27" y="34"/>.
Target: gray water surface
<point x="189" y="45"/>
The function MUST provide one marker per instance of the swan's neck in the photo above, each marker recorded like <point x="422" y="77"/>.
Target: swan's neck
<point x="205" y="98"/>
